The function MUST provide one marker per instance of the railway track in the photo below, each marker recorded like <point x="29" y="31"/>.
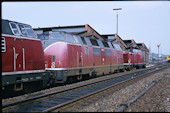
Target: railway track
<point x="57" y="100"/>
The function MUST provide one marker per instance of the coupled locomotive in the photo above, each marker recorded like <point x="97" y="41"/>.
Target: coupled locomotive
<point x="69" y="56"/>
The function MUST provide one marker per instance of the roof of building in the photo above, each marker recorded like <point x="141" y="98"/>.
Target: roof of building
<point x="130" y="43"/>
<point x="142" y="46"/>
<point x="82" y="30"/>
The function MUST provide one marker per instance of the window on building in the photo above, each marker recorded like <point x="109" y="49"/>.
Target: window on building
<point x="112" y="45"/>
<point x="83" y="40"/>
<point x="94" y="42"/>
<point x="100" y="43"/>
<point x="88" y="41"/>
<point x="105" y="44"/>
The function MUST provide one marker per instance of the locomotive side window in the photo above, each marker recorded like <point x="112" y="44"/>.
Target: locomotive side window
<point x="29" y="30"/>
<point x="96" y="52"/>
<point x="114" y="52"/>
<point x="14" y="28"/>
<point x="86" y="51"/>
<point x="22" y="29"/>
<point x="3" y="44"/>
<point x="94" y="42"/>
<point x="108" y="52"/>
<point x="83" y="40"/>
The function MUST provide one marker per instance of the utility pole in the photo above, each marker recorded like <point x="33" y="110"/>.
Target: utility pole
<point x="117" y="24"/>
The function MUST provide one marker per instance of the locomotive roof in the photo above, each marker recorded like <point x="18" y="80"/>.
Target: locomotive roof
<point x="7" y="28"/>
<point x="6" y="20"/>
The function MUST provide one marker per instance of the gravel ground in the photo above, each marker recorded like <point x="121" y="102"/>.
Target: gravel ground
<point x="159" y="101"/>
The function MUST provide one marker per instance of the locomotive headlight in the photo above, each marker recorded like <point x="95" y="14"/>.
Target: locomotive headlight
<point x="53" y="62"/>
<point x="53" y="65"/>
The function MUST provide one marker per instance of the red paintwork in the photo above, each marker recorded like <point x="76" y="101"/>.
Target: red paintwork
<point x="127" y="57"/>
<point x="34" y="56"/>
<point x="71" y="56"/>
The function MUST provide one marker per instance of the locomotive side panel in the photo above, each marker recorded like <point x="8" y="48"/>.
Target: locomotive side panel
<point x="34" y="56"/>
<point x="8" y="55"/>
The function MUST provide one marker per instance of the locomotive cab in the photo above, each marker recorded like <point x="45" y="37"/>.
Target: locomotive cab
<point x="22" y="55"/>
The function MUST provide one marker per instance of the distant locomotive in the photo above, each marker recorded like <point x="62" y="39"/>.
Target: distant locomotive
<point x="133" y="57"/>
<point x="22" y="56"/>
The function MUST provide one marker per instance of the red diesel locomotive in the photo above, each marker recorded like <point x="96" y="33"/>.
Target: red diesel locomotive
<point x="22" y="56"/>
<point x="69" y="56"/>
<point x="133" y="57"/>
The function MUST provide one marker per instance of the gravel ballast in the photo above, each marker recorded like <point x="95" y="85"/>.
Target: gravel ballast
<point x="112" y="102"/>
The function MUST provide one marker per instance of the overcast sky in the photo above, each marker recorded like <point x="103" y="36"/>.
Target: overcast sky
<point x="144" y="21"/>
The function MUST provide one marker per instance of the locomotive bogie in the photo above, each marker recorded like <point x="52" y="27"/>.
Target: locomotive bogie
<point x="21" y="78"/>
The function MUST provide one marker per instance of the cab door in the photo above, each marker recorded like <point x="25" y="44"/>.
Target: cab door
<point x="103" y="56"/>
<point x="79" y="57"/>
<point x="19" y="55"/>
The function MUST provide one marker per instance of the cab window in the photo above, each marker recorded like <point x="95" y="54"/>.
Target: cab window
<point x="22" y="29"/>
<point x="14" y="28"/>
